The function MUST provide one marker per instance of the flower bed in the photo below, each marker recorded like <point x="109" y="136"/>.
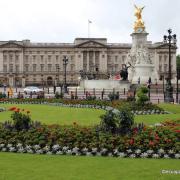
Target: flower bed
<point x="156" y="142"/>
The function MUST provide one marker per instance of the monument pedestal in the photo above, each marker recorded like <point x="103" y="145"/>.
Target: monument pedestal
<point x="105" y="84"/>
<point x="143" y="72"/>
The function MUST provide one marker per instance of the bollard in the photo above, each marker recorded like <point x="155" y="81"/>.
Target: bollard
<point x="76" y="93"/>
<point x="94" y="92"/>
<point x="124" y="91"/>
<point x="158" y="100"/>
<point x="84" y="91"/>
<point x="48" y="90"/>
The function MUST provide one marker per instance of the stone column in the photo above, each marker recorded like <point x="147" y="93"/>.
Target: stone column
<point x="1" y="61"/>
<point x="87" y="60"/>
<point x="23" y="81"/>
<point x="11" y="81"/>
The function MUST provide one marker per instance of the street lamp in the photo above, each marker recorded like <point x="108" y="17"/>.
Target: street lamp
<point x="65" y="62"/>
<point x="169" y="40"/>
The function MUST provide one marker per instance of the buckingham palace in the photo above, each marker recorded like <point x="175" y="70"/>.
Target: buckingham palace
<point x="25" y="63"/>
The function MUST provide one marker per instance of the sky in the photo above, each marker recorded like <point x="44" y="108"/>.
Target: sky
<point x="65" y="20"/>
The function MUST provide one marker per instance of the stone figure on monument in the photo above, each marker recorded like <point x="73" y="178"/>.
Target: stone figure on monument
<point x="124" y="72"/>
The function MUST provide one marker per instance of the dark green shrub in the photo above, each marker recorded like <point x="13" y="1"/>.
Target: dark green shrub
<point x="141" y="96"/>
<point x="113" y="96"/>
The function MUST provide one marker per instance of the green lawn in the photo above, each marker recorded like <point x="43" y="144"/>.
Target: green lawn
<point x="57" y="115"/>
<point x="152" y="119"/>
<point x="49" y="167"/>
<point x="64" y="115"/>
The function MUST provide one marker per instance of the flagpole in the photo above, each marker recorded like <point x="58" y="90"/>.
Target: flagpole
<point x="89" y="22"/>
<point x="88" y="28"/>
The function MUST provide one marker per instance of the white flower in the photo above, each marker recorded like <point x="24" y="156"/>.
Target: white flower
<point x="121" y="154"/>
<point x="9" y="145"/>
<point x="115" y="151"/>
<point x="28" y="147"/>
<point x="12" y="149"/>
<point x="49" y="153"/>
<point x="161" y="151"/>
<point x="94" y="150"/>
<point x="129" y="150"/>
<point x="46" y="148"/>
<point x="21" y="150"/>
<point x="104" y="150"/>
<point x="149" y="151"/>
<point x="132" y="156"/>
<point x="144" y="155"/>
<point x="158" y="124"/>
<point x="155" y="156"/>
<point x="19" y="145"/>
<point x="30" y="151"/>
<point x="36" y="147"/>
<point x="4" y="149"/>
<point x="2" y="145"/>
<point x="98" y="154"/>
<point x="88" y="154"/>
<point x="65" y="148"/>
<point x="177" y="156"/>
<point x="85" y="150"/>
<point x="75" y="149"/>
<point x="68" y="152"/>
<point x="39" y="151"/>
<point x="138" y="151"/>
<point x="59" y="152"/>
<point x="56" y="147"/>
<point x="166" y="156"/>
<point x="171" y="151"/>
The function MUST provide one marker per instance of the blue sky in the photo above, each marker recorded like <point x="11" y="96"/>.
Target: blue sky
<point x="64" y="20"/>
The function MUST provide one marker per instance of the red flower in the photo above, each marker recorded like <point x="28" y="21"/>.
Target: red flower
<point x="131" y="142"/>
<point x="177" y="131"/>
<point x="12" y="109"/>
<point x="151" y="143"/>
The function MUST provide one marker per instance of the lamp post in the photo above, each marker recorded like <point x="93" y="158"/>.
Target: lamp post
<point x="65" y="62"/>
<point x="169" y="40"/>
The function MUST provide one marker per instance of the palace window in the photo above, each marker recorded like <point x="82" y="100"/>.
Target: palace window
<point x="11" y="68"/>
<point x="4" y="68"/>
<point x="49" y="67"/>
<point x="17" y="68"/>
<point x="26" y="58"/>
<point x="26" y="67"/>
<point x="17" y="58"/>
<point x="160" y="68"/>
<point x="42" y="67"/>
<point x="34" y="67"/>
<point x="5" y="58"/>
<point x="165" y="67"/>
<point x="10" y="57"/>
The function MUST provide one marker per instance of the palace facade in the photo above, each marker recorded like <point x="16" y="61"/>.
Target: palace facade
<point x="25" y="63"/>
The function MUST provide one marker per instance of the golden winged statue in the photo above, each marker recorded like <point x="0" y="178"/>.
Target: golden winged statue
<point x="139" y="22"/>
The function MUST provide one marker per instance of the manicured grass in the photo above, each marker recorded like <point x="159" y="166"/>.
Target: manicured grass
<point x="64" y="115"/>
<point x="56" y="115"/>
<point x="49" y="167"/>
<point x="152" y="119"/>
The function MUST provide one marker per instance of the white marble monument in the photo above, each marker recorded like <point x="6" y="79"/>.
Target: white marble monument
<point x="139" y="56"/>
